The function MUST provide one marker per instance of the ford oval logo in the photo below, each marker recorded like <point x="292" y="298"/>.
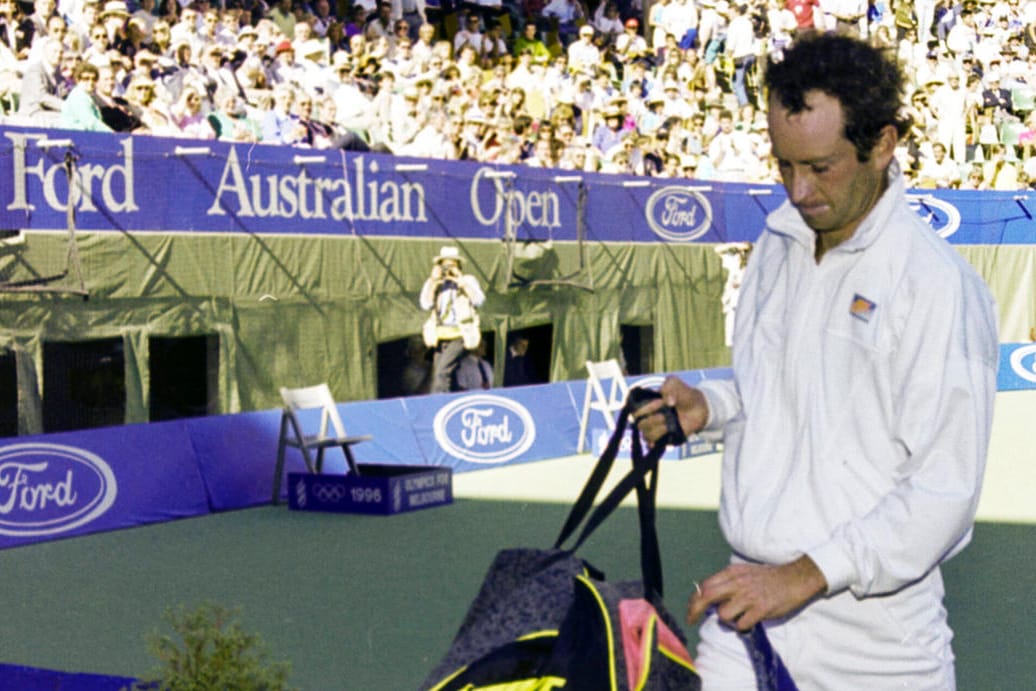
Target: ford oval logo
<point x="484" y="429"/>
<point x="49" y="489"/>
<point x="678" y="214"/>
<point x="1025" y="370"/>
<point x="942" y="216"/>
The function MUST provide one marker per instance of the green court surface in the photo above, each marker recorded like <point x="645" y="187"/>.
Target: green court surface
<point x="371" y="603"/>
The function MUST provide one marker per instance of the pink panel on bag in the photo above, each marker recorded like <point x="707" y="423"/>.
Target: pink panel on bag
<point x="636" y="620"/>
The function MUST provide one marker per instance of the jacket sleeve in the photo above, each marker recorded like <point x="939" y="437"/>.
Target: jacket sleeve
<point x="945" y="369"/>
<point x="473" y="290"/>
<point x="427" y="298"/>
<point x="724" y="402"/>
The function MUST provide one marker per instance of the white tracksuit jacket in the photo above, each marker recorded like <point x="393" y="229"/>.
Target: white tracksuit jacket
<point x="857" y="422"/>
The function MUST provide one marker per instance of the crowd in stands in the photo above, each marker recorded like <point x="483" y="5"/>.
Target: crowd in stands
<point x="666" y="89"/>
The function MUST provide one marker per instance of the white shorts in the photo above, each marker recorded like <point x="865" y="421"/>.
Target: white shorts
<point x="893" y="642"/>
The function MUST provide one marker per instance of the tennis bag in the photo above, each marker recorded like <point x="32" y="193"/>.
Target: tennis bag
<point x="545" y="619"/>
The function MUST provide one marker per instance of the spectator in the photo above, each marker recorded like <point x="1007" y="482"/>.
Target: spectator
<point x="230" y="120"/>
<point x="380" y="25"/>
<point x="417" y="370"/>
<point x="280" y="125"/>
<point x="474" y="372"/>
<point x="518" y="367"/>
<point x="1000" y="171"/>
<point x="949" y="105"/>
<point x="995" y="98"/>
<point x="413" y="12"/>
<point x="583" y="55"/>
<point x="610" y="132"/>
<point x="283" y="17"/>
<point x="42" y="87"/>
<point x="529" y="42"/>
<point x="469" y="35"/>
<point x="16" y="32"/>
<point x="680" y="20"/>
<point x="115" y="111"/>
<point x="568" y="14"/>
<point x="607" y="22"/>
<point x="189" y="117"/>
<point x="141" y="99"/>
<point x="80" y="111"/>
<point x="322" y="18"/>
<point x="630" y="45"/>
<point x="938" y="170"/>
<point x="731" y="151"/>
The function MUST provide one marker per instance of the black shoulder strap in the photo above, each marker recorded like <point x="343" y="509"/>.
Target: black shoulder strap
<point x="642" y="477"/>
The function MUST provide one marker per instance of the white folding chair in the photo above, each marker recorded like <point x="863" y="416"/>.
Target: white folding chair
<point x="606" y="374"/>
<point x="330" y="433"/>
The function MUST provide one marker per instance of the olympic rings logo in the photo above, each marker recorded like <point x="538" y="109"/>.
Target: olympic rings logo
<point x="329" y="494"/>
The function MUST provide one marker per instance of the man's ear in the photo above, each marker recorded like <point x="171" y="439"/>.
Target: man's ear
<point x="885" y="146"/>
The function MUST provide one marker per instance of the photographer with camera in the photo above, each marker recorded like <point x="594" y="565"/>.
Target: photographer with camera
<point x="452" y="328"/>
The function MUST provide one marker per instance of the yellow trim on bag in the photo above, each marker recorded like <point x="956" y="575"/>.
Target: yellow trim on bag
<point x="546" y="633"/>
<point x="607" y="627"/>
<point x="537" y="634"/>
<point x="677" y="659"/>
<point x="448" y="679"/>
<point x="538" y="684"/>
<point x="651" y="631"/>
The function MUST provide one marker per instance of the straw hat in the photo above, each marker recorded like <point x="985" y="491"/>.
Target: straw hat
<point x="449" y="254"/>
<point x="115" y="7"/>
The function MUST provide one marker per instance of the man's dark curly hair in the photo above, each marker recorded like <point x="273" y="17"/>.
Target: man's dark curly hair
<point x="866" y="81"/>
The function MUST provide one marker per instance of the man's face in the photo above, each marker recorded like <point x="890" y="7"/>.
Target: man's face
<point x="825" y="182"/>
<point x="53" y="51"/>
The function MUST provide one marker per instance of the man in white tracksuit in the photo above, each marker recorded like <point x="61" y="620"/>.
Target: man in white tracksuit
<point x="857" y="421"/>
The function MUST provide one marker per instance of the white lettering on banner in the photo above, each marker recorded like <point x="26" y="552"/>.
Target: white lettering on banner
<point x="678" y="214"/>
<point x="114" y="183"/>
<point x="50" y="489"/>
<point x="412" y="484"/>
<point x="477" y="433"/>
<point x="484" y="428"/>
<point x="302" y="196"/>
<point x="428" y="497"/>
<point x="539" y="209"/>
<point x="17" y="493"/>
<point x="674" y="214"/>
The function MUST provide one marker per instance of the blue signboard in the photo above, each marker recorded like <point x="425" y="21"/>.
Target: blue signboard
<point x="1017" y="367"/>
<point x="139" y="184"/>
<point x="60" y="485"/>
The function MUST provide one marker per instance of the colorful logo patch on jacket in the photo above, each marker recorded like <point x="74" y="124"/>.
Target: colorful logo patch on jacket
<point x="862" y="308"/>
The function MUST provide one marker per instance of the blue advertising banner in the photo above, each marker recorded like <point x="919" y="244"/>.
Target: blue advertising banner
<point x="74" y="483"/>
<point x="20" y="678"/>
<point x="495" y="427"/>
<point x="66" y="484"/>
<point x="236" y="453"/>
<point x="1017" y="369"/>
<point x="139" y="184"/>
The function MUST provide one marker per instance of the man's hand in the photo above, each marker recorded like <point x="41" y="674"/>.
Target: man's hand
<point x="690" y="405"/>
<point x="745" y="594"/>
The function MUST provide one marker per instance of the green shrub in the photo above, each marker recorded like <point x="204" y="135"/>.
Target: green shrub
<point x="209" y="651"/>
